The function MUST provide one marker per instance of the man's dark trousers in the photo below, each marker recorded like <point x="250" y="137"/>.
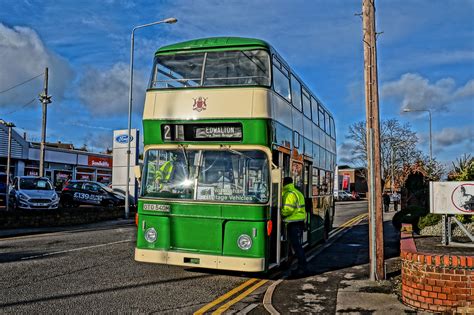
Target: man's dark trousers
<point x="295" y="235"/>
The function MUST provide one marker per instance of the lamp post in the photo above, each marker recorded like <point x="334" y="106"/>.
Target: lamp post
<point x="10" y="125"/>
<point x="406" y="110"/>
<point x="132" y="39"/>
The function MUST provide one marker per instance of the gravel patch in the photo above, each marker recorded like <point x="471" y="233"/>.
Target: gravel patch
<point x="435" y="230"/>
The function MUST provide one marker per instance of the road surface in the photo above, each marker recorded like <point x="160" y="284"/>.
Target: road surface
<point x="92" y="270"/>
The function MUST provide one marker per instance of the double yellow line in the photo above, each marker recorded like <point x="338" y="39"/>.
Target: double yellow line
<point x="229" y="294"/>
<point x="349" y="223"/>
<point x="253" y="284"/>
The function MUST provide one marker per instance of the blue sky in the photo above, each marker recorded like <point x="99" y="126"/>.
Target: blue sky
<point x="425" y="58"/>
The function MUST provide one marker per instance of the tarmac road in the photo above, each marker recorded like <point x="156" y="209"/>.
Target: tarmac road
<point x="92" y="270"/>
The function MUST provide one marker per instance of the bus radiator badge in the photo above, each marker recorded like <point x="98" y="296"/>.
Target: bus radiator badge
<point x="199" y="104"/>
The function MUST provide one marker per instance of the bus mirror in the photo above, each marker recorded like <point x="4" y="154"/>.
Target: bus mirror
<point x="276" y="175"/>
<point x="138" y="171"/>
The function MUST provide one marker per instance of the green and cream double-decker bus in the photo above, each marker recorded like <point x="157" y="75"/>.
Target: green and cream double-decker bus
<point x="225" y="119"/>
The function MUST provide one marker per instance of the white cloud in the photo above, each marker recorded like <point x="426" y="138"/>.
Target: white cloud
<point x="416" y="92"/>
<point x="106" y="93"/>
<point x="98" y="141"/>
<point x="345" y="155"/>
<point x="453" y="136"/>
<point x="23" y="55"/>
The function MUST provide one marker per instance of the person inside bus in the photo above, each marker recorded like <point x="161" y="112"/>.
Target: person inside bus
<point x="294" y="216"/>
<point x="164" y="173"/>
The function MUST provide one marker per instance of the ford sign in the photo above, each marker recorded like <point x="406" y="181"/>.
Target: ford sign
<point x="123" y="138"/>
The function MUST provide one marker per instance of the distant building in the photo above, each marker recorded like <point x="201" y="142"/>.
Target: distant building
<point x="62" y="160"/>
<point x="352" y="179"/>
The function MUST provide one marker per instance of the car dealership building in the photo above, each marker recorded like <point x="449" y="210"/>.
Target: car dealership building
<point x="62" y="161"/>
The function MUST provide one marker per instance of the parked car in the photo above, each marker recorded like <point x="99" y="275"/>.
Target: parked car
<point x="33" y="192"/>
<point x="344" y="196"/>
<point x="78" y="192"/>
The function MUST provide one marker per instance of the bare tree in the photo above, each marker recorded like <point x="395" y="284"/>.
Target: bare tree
<point x="397" y="144"/>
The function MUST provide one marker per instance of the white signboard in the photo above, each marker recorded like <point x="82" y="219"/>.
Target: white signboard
<point x="452" y="197"/>
<point x="119" y="169"/>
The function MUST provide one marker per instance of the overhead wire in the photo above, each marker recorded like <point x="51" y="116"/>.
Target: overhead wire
<point x="21" y="107"/>
<point x="17" y="85"/>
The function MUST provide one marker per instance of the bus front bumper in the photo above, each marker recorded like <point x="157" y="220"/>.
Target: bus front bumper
<point x="200" y="260"/>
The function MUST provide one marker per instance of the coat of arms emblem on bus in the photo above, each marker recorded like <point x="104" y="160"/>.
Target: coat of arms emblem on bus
<point x="199" y="104"/>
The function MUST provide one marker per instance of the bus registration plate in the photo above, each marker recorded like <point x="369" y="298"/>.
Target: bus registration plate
<point x="156" y="207"/>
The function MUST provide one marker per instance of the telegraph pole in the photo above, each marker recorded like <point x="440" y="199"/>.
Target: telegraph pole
<point x="45" y="100"/>
<point x="377" y="270"/>
<point x="9" y="125"/>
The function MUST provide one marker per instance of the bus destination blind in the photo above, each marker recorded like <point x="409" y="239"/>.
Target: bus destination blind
<point x="202" y="132"/>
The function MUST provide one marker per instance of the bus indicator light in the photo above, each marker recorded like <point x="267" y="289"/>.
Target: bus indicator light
<point x="269" y="227"/>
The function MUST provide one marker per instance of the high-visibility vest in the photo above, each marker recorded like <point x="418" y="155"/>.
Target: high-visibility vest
<point x="293" y="208"/>
<point x="165" y="171"/>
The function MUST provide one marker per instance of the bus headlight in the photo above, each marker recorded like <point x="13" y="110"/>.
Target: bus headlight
<point x="244" y="242"/>
<point x="150" y="235"/>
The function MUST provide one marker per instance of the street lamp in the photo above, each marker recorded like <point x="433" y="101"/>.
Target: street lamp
<point x="127" y="192"/>
<point x="406" y="110"/>
<point x="10" y="125"/>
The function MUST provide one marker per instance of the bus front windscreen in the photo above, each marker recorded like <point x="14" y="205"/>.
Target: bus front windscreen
<point x="221" y="68"/>
<point x="206" y="175"/>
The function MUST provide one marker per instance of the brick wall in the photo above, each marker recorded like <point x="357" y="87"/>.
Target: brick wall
<point x="438" y="283"/>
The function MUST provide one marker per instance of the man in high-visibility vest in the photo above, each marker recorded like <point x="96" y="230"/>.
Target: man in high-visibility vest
<point x="294" y="215"/>
<point x="165" y="171"/>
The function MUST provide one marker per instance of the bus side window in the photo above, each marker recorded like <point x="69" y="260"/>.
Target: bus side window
<point x="323" y="182"/>
<point x="315" y="182"/>
<point x="286" y="165"/>
<point x="281" y="82"/>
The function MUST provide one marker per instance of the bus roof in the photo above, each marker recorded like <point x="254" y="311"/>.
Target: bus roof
<point x="214" y="43"/>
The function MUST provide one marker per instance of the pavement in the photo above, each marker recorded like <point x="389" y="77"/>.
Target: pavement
<point x="338" y="282"/>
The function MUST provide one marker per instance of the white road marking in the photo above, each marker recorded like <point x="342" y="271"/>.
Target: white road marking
<point x="74" y="250"/>
<point x="247" y="309"/>
<point x="267" y="298"/>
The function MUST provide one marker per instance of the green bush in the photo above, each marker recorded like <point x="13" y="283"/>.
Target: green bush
<point x="409" y="215"/>
<point x="429" y="220"/>
<point x="464" y="219"/>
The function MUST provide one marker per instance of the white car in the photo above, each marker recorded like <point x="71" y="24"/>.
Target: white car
<point x="343" y="196"/>
<point x="33" y="192"/>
